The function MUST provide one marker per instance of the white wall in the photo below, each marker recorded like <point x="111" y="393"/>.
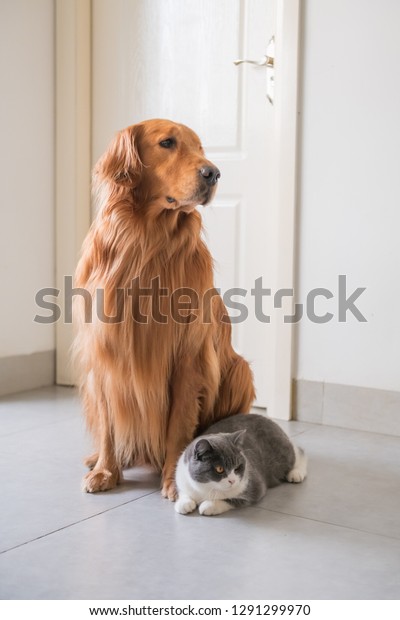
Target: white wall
<point x="349" y="219"/>
<point x="26" y="171"/>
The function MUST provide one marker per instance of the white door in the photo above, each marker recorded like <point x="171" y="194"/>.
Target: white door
<point x="174" y="59"/>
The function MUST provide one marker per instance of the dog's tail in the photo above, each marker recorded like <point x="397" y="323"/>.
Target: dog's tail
<point x="236" y="392"/>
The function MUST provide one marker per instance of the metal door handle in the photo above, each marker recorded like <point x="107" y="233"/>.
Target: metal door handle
<point x="266" y="61"/>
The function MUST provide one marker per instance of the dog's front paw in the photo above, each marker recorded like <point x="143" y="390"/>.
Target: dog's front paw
<point x="185" y="504"/>
<point x="99" y="480"/>
<point x="214" y="507"/>
<point x="169" y="490"/>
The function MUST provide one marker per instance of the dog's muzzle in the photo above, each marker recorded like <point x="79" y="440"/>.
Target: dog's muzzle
<point x="210" y="174"/>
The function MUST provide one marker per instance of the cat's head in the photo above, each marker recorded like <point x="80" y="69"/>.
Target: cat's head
<point x="218" y="460"/>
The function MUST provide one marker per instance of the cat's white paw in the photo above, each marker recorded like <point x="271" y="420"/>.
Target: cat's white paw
<point x="185" y="504"/>
<point x="216" y="507"/>
<point x="299" y="471"/>
<point x="295" y="475"/>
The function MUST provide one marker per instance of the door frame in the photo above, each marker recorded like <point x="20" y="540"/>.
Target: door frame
<point x="73" y="164"/>
<point x="73" y="156"/>
<point x="286" y="103"/>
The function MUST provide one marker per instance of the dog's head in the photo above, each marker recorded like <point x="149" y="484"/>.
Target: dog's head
<point x="163" y="163"/>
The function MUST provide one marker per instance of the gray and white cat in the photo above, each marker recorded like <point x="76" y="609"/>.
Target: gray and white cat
<point x="234" y="463"/>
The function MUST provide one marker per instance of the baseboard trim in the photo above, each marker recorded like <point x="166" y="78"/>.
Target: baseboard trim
<point x="26" y="372"/>
<point x="347" y="406"/>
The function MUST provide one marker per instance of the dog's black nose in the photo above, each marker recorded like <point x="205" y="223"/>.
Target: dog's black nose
<point x="211" y="174"/>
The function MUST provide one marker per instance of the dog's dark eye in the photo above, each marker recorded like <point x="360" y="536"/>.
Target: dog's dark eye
<point x="169" y="143"/>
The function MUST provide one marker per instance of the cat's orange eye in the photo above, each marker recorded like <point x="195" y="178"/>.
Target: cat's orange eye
<point x="219" y="469"/>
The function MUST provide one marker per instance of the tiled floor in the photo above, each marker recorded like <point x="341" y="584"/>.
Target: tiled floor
<point x="335" y="536"/>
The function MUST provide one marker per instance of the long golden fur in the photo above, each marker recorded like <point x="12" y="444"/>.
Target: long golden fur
<point x="149" y="386"/>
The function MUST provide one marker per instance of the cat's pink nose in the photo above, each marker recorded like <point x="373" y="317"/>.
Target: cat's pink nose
<point x="231" y="481"/>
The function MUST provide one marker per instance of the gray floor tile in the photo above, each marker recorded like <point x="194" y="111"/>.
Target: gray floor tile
<point x="353" y="480"/>
<point x="145" y="550"/>
<point x="334" y="536"/>
<point x="37" y="408"/>
<point x="293" y="428"/>
<point x="41" y="476"/>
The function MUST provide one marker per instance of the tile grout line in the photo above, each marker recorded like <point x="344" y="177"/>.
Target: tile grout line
<point x="27" y="542"/>
<point x="345" y="527"/>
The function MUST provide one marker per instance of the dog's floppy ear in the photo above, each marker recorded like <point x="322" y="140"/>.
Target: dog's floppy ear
<point x="121" y="162"/>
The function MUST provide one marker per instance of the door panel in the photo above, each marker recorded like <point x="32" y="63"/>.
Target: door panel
<point x="169" y="59"/>
<point x="174" y="59"/>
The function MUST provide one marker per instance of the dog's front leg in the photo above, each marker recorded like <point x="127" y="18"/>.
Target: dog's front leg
<point x="182" y="424"/>
<point x="105" y="474"/>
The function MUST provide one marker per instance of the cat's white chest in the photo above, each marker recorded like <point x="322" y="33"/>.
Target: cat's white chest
<point x="186" y="485"/>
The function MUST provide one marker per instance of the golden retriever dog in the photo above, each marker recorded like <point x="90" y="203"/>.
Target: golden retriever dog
<point x="153" y="343"/>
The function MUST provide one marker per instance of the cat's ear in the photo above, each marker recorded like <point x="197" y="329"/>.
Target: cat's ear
<point x="238" y="437"/>
<point x="201" y="449"/>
